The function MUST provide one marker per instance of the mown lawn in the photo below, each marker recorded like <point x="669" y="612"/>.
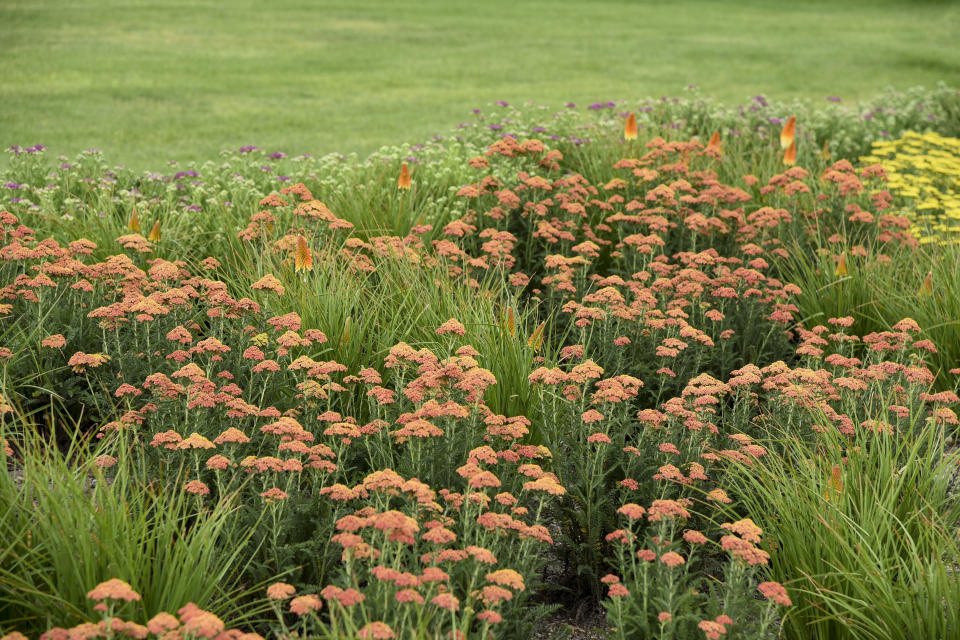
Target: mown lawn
<point x="149" y="82"/>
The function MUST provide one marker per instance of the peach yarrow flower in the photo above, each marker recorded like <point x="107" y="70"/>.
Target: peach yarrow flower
<point x="280" y="591"/>
<point x="114" y="589"/>
<point x="775" y="591"/>
<point x="452" y="326"/>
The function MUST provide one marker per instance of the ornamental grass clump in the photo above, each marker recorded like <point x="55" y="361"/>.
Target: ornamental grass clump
<point x="75" y="517"/>
<point x="855" y="491"/>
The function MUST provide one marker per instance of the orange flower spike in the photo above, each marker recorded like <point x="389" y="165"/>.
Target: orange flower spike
<point x="403" y="182"/>
<point x="630" y="128"/>
<point x="715" y="146"/>
<point x="715" y="141"/>
<point x="836" y="478"/>
<point x="790" y="155"/>
<point x="926" y="289"/>
<point x="155" y="232"/>
<point x="510" y="324"/>
<point x="536" y="338"/>
<point x="303" y="257"/>
<point x="841" y="269"/>
<point x="133" y="224"/>
<point x="788" y="132"/>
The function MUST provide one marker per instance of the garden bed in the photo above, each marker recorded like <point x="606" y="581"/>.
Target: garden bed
<point x="701" y="383"/>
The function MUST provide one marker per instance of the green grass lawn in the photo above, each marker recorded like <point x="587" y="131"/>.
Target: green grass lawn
<point x="154" y="81"/>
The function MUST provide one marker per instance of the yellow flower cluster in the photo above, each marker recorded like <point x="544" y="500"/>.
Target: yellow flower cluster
<point x="924" y="178"/>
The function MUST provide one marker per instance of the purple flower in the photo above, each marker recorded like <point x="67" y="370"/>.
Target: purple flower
<point x="16" y="200"/>
<point x="412" y="159"/>
<point x="13" y="185"/>
<point x="596" y="105"/>
<point x="282" y="178"/>
<point x="278" y="155"/>
<point x="180" y="174"/>
<point x="477" y="111"/>
<point x="760" y="100"/>
<point x="305" y="155"/>
<point x="227" y="203"/>
<point x="537" y="129"/>
<point x="194" y="207"/>
<point x="775" y="120"/>
<point x="571" y="105"/>
<point x="502" y="103"/>
<point x="464" y="124"/>
<point x="37" y="148"/>
<point x="266" y="169"/>
<point x="885" y="134"/>
<point x="554" y="137"/>
<point x="248" y="148"/>
<point x="494" y="127"/>
<point x="834" y="99"/>
<point x="14" y="147"/>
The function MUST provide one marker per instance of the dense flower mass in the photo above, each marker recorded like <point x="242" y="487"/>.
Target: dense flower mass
<point x="923" y="171"/>
<point x="557" y="366"/>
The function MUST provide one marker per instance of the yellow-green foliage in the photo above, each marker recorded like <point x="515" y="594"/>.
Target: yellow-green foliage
<point x="924" y="175"/>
